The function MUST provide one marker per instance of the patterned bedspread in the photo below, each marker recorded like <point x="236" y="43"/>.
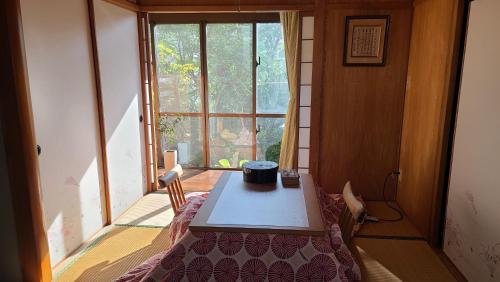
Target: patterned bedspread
<point x="224" y="256"/>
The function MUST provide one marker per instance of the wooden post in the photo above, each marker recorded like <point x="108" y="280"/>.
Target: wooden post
<point x="100" y="111"/>
<point x="317" y="87"/>
<point x="20" y="148"/>
<point x="144" y="76"/>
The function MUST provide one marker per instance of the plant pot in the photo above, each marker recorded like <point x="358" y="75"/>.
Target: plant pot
<point x="170" y="159"/>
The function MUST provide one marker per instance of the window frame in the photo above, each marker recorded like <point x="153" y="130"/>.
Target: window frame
<point x="202" y="20"/>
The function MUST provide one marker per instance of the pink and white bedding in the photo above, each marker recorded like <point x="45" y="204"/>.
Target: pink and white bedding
<point x="224" y="256"/>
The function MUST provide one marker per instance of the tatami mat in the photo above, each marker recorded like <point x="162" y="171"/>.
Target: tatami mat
<point x="403" y="228"/>
<point x="152" y="210"/>
<point x="114" y="253"/>
<point x="140" y="233"/>
<point x="399" y="260"/>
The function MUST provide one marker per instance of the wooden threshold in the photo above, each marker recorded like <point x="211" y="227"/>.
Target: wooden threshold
<point x="451" y="267"/>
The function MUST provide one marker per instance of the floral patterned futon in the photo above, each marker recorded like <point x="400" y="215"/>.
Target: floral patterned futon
<point x="224" y="256"/>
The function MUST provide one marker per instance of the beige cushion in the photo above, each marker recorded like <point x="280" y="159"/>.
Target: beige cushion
<point x="170" y="176"/>
<point x="354" y="205"/>
<point x="178" y="169"/>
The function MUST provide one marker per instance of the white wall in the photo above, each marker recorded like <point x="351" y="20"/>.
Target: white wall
<point x="119" y="65"/>
<point x="60" y="69"/>
<point x="10" y="269"/>
<point x="472" y="233"/>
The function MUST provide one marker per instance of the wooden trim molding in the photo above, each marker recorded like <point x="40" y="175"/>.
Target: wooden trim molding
<point x="450" y="266"/>
<point x="125" y="4"/>
<point x="370" y="5"/>
<point x="417" y="2"/>
<point x="196" y="18"/>
<point x="204" y="69"/>
<point x="443" y="163"/>
<point x="100" y="111"/>
<point x="298" y="86"/>
<point x="439" y="214"/>
<point x="154" y="101"/>
<point x="425" y="142"/>
<point x="151" y="117"/>
<point x="22" y="163"/>
<point x="224" y="8"/>
<point x="145" y="118"/>
<point x="317" y="87"/>
<point x="254" y="92"/>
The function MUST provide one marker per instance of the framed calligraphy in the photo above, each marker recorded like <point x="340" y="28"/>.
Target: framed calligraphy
<point x="365" y="40"/>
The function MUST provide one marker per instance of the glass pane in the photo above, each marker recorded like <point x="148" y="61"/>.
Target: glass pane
<point x="178" y="66"/>
<point x="269" y="138"/>
<point x="230" y="63"/>
<point x="272" y="82"/>
<point x="183" y="134"/>
<point x="230" y="142"/>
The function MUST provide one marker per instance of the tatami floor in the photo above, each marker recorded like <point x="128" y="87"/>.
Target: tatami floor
<point x="141" y="232"/>
<point x="386" y="251"/>
<point x="396" y="251"/>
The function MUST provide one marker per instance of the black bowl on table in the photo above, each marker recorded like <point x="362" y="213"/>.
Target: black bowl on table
<point x="260" y="172"/>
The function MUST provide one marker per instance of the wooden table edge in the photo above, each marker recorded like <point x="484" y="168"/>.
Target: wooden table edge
<point x="316" y="225"/>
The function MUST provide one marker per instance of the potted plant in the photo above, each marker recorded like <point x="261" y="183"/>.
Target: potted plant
<point x="273" y="152"/>
<point x="167" y="130"/>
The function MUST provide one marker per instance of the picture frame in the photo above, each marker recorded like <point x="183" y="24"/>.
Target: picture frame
<point x="365" y="41"/>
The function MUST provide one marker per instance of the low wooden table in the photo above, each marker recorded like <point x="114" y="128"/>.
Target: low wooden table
<point x="237" y="206"/>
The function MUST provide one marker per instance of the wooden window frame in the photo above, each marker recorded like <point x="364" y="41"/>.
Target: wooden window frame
<point x="202" y="20"/>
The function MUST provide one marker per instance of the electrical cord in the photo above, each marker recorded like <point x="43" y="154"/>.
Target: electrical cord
<point x="397" y="209"/>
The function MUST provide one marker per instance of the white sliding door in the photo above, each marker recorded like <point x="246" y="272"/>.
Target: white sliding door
<point x="62" y="86"/>
<point x="119" y="65"/>
<point x="472" y="234"/>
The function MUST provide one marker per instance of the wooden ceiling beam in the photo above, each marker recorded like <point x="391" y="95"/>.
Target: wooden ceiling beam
<point x="373" y="4"/>
<point x="249" y="6"/>
<point x="125" y="4"/>
<point x="225" y="8"/>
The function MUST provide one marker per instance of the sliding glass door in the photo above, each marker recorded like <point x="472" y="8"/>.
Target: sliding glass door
<point x="230" y="64"/>
<point x="271" y="90"/>
<point x="180" y="99"/>
<point x="222" y="91"/>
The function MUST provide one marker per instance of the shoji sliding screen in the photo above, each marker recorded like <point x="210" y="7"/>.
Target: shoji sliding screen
<point x="63" y="94"/>
<point x="120" y="72"/>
